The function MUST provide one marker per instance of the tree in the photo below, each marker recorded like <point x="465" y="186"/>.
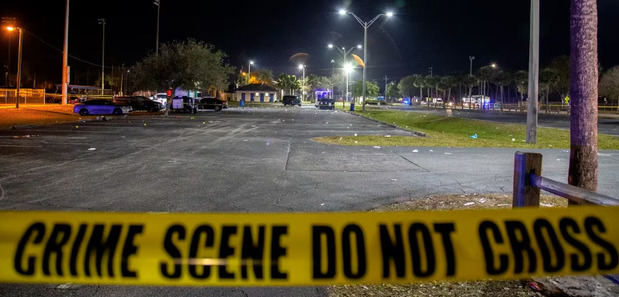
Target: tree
<point x="583" y="169"/>
<point x="261" y="76"/>
<point x="546" y="79"/>
<point x="288" y="82"/>
<point x="560" y="66"/>
<point x="521" y="79"/>
<point x="447" y="83"/>
<point x="419" y="82"/>
<point x="469" y="81"/>
<point x="502" y="80"/>
<point x="407" y="85"/>
<point x="371" y="89"/>
<point x="431" y="82"/>
<point x="190" y="64"/>
<point x="609" y="84"/>
<point x="392" y="91"/>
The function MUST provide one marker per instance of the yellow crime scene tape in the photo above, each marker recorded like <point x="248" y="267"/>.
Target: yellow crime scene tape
<point x="302" y="249"/>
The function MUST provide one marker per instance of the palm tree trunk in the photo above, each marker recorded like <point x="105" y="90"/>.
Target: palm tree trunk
<point x="583" y="171"/>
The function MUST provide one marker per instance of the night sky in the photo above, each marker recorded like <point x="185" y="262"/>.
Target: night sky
<point x="423" y="33"/>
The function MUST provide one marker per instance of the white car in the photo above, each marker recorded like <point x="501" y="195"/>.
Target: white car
<point x="161" y="98"/>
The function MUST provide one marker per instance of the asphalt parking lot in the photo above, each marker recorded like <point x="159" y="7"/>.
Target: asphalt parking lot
<point x="240" y="160"/>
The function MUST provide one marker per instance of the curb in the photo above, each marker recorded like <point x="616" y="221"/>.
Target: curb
<point x="417" y="133"/>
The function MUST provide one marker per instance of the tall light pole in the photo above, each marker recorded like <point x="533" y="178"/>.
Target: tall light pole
<point x="342" y="50"/>
<point x="348" y="69"/>
<point x="102" y="23"/>
<point x="365" y="26"/>
<point x="471" y="58"/>
<point x="533" y="73"/>
<point x="302" y="68"/>
<point x="19" y="50"/>
<point x="249" y="70"/>
<point x="158" y="4"/>
<point x="65" y="56"/>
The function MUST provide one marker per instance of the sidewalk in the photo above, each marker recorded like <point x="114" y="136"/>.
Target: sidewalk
<point x="36" y="114"/>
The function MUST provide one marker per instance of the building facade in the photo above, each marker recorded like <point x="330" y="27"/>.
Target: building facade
<point x="256" y="93"/>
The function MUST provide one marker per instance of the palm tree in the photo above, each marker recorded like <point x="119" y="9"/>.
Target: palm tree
<point x="521" y="79"/>
<point x="288" y="82"/>
<point x="583" y="171"/>
<point x="448" y="82"/>
<point x="502" y="80"/>
<point x="469" y="81"/>
<point x="419" y="82"/>
<point x="546" y="79"/>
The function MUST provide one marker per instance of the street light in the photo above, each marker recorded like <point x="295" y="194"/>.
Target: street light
<point x="18" y="80"/>
<point x="249" y="70"/>
<point x="365" y="26"/>
<point x="348" y="69"/>
<point x="302" y="68"/>
<point x="102" y="23"/>
<point x="158" y="4"/>
<point x="471" y="58"/>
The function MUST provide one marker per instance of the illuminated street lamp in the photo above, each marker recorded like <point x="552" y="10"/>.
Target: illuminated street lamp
<point x="342" y="50"/>
<point x="249" y="70"/>
<point x="347" y="69"/>
<point x="365" y="26"/>
<point x="302" y="68"/>
<point x="21" y="33"/>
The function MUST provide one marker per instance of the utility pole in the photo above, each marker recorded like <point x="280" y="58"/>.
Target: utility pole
<point x="386" y="87"/>
<point x="471" y="58"/>
<point x="122" y="77"/>
<point x="65" y="58"/>
<point x="102" y="22"/>
<point x="533" y="73"/>
<point x="158" y="4"/>
<point x="19" y="50"/>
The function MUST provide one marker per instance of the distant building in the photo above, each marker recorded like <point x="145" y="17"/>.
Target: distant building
<point x="256" y="93"/>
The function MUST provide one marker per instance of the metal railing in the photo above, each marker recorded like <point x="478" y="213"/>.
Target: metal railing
<point x="528" y="182"/>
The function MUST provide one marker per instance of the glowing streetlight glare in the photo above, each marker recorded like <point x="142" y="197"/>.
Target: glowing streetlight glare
<point x="389" y="14"/>
<point x="251" y="62"/>
<point x="330" y="45"/>
<point x="301" y="66"/>
<point x="341" y="11"/>
<point x="347" y="68"/>
<point x="493" y="65"/>
<point x="359" y="46"/>
<point x="10" y="28"/>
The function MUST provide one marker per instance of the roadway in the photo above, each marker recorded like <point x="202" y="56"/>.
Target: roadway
<point x="607" y="123"/>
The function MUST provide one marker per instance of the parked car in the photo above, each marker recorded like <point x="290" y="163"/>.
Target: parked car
<point x="325" y="103"/>
<point x="212" y="103"/>
<point x="73" y="99"/>
<point x="185" y="104"/>
<point x="291" y="100"/>
<point x="161" y="98"/>
<point x="138" y="103"/>
<point x="100" y="106"/>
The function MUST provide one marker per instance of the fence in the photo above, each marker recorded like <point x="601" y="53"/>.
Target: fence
<point x="26" y="96"/>
<point x="528" y="182"/>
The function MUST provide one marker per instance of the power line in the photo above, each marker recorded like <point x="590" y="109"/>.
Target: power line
<point x="60" y="50"/>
